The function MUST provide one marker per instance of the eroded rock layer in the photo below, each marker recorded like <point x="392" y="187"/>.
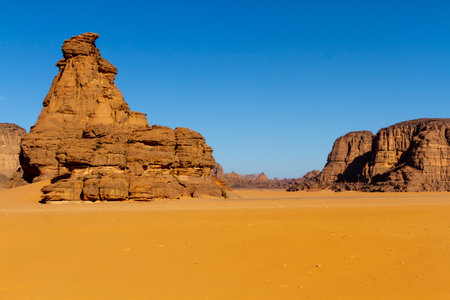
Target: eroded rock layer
<point x="10" y="137"/>
<point x="348" y="157"/>
<point x="93" y="147"/>
<point x="408" y="156"/>
<point x="411" y="156"/>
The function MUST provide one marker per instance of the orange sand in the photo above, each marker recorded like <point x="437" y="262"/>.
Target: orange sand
<point x="263" y="245"/>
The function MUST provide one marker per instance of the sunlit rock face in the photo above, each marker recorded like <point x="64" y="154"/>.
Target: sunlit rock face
<point x="408" y="156"/>
<point x="93" y="147"/>
<point x="10" y="137"/>
<point x="411" y="156"/>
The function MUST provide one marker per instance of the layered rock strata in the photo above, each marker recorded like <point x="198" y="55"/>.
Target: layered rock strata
<point x="411" y="156"/>
<point x="10" y="137"/>
<point x="349" y="155"/>
<point x="93" y="147"/>
<point x="408" y="156"/>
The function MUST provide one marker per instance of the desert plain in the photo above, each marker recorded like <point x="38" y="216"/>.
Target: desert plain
<point x="258" y="244"/>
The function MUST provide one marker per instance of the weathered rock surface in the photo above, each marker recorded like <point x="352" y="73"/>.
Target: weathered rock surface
<point x="411" y="156"/>
<point x="217" y="171"/>
<point x="408" y="156"/>
<point x="348" y="157"/>
<point x="309" y="181"/>
<point x="10" y="137"/>
<point x="93" y="147"/>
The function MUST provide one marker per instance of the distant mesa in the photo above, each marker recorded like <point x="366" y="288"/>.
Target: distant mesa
<point x="93" y="147"/>
<point x="10" y="137"/>
<point x="253" y="181"/>
<point x="411" y="156"/>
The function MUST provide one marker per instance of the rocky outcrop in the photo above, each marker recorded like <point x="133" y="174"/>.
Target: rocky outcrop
<point x="10" y="137"/>
<point x="411" y="156"/>
<point x="93" y="147"/>
<point x="257" y="181"/>
<point x="309" y="181"/>
<point x="217" y="171"/>
<point x="408" y="156"/>
<point x="347" y="159"/>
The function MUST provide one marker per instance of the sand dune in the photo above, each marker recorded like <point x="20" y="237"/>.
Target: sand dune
<point x="258" y="245"/>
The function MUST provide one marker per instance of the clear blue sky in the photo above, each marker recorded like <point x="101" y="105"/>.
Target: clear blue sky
<point x="270" y="84"/>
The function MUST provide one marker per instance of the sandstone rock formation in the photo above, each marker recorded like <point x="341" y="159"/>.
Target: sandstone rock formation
<point x="93" y="147"/>
<point x="217" y="171"/>
<point x="411" y="156"/>
<point x="348" y="157"/>
<point x="307" y="182"/>
<point x="10" y="137"/>
<point x="408" y="156"/>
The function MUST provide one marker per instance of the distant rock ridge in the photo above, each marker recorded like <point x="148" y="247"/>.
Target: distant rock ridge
<point x="409" y="156"/>
<point x="10" y="137"/>
<point x="93" y="147"/>
<point x="257" y="181"/>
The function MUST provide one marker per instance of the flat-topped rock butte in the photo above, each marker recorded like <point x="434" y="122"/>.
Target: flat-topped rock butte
<point x="410" y="156"/>
<point x="93" y="147"/>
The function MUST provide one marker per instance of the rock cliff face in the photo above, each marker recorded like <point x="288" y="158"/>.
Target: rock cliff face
<point x="10" y="137"/>
<point x="411" y="156"/>
<point x="408" y="156"/>
<point x="93" y="147"/>
<point x="348" y="157"/>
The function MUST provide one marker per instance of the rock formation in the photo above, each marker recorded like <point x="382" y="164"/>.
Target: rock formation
<point x="10" y="137"/>
<point x="93" y="147"/>
<point x="411" y="156"/>
<point x="408" y="156"/>
<point x="348" y="157"/>
<point x="217" y="171"/>
<point x="307" y="182"/>
<point x="258" y="181"/>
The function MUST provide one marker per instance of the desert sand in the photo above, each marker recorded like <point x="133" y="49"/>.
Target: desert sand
<point x="257" y="245"/>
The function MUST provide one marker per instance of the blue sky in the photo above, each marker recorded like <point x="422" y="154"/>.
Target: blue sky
<point x="270" y="84"/>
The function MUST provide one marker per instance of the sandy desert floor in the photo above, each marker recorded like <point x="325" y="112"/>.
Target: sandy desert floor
<point x="258" y="245"/>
